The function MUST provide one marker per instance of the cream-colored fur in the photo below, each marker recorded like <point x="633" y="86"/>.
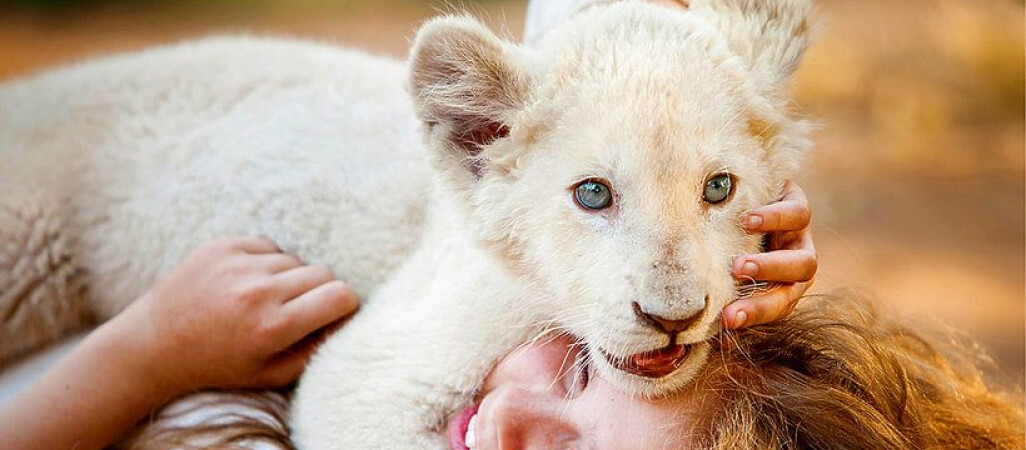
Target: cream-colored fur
<point x="315" y="147"/>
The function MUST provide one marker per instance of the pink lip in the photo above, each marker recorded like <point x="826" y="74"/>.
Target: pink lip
<point x="458" y="427"/>
<point x="652" y="364"/>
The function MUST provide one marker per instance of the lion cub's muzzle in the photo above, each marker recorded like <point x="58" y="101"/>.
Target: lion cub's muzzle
<point x="661" y="362"/>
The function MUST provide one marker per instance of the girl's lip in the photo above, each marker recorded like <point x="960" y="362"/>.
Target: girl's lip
<point x="458" y="427"/>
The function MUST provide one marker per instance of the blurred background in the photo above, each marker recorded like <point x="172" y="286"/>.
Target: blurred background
<point x="916" y="180"/>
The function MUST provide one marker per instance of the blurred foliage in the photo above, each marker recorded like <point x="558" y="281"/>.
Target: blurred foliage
<point x="65" y="6"/>
<point x="936" y="89"/>
<point x="59" y="6"/>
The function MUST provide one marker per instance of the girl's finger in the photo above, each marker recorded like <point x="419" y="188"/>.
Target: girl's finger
<point x="286" y="366"/>
<point x="771" y="306"/>
<point x="317" y="308"/>
<point x="283" y="369"/>
<point x="787" y="266"/>
<point x="277" y="262"/>
<point x="295" y="282"/>
<point x="785" y="215"/>
<point x="792" y="191"/>
<point x="252" y="244"/>
<point x="791" y="213"/>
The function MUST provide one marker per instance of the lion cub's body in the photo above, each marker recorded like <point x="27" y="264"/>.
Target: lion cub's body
<point x="150" y="155"/>
<point x="475" y="226"/>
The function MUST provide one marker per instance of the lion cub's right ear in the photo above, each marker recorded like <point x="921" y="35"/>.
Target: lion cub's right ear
<point x="770" y="36"/>
<point x="467" y="85"/>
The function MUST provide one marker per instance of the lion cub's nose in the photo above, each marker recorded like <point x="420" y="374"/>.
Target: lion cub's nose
<point x="668" y="326"/>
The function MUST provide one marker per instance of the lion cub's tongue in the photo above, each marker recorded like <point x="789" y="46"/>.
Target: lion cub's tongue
<point x="658" y="363"/>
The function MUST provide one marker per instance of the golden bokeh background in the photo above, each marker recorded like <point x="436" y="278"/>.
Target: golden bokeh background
<point x="916" y="180"/>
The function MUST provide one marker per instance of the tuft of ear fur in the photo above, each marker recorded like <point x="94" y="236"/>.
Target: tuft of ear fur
<point x="770" y="36"/>
<point x="466" y="86"/>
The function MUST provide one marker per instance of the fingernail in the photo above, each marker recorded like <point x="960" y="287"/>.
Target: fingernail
<point x="753" y="222"/>
<point x="739" y="319"/>
<point x="749" y="269"/>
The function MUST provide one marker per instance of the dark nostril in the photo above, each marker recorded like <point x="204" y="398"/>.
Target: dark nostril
<point x="665" y="325"/>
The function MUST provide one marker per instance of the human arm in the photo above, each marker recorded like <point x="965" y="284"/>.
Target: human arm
<point x="235" y="313"/>
<point x="789" y="263"/>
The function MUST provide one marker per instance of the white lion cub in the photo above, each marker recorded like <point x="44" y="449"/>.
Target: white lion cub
<point x="595" y="183"/>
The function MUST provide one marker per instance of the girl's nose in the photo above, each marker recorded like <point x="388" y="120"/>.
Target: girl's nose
<point x="529" y="419"/>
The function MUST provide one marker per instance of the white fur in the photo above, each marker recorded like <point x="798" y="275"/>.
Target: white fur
<point x="155" y="153"/>
<point x="315" y="148"/>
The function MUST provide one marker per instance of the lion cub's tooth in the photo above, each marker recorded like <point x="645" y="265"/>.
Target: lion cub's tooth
<point x="471" y="438"/>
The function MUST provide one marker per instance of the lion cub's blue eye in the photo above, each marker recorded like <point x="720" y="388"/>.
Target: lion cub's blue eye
<point x="718" y="188"/>
<point x="593" y="194"/>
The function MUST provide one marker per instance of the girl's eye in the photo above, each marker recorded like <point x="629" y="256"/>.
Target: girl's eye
<point x="583" y="368"/>
<point x="718" y="188"/>
<point x="593" y="195"/>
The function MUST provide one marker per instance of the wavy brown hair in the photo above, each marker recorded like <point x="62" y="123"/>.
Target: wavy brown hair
<point x="837" y="374"/>
<point x="220" y="420"/>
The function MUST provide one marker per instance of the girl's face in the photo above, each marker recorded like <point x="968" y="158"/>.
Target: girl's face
<point x="545" y="397"/>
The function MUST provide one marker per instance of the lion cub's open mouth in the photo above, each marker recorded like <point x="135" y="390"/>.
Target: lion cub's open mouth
<point x="651" y="364"/>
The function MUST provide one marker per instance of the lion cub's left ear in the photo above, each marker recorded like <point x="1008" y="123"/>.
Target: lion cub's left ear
<point x="467" y="85"/>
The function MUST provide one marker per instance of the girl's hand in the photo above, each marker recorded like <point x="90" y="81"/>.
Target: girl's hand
<point x="789" y="264"/>
<point x="236" y="313"/>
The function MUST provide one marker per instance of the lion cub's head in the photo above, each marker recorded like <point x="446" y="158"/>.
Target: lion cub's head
<point x="612" y="162"/>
